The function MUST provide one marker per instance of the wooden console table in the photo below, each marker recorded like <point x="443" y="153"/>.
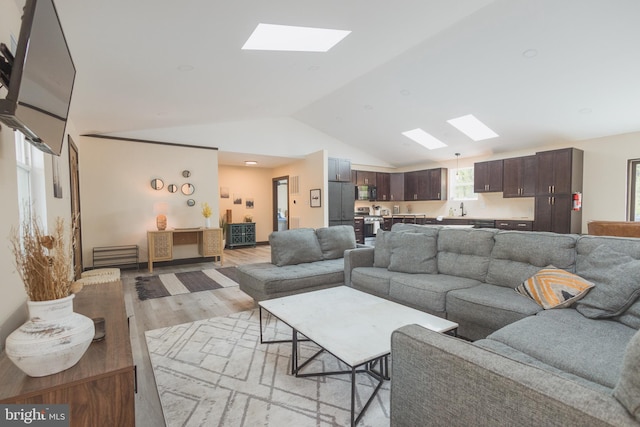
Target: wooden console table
<point x="160" y="243"/>
<point x="100" y="388"/>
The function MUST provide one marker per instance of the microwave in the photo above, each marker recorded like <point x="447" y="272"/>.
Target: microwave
<point x="366" y="192"/>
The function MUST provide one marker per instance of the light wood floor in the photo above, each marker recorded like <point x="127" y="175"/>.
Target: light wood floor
<point x="169" y="311"/>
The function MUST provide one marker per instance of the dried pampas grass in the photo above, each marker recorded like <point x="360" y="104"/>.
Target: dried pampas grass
<point x="43" y="262"/>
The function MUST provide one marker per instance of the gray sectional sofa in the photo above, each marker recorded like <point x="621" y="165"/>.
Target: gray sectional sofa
<point x="527" y="366"/>
<point x="302" y="260"/>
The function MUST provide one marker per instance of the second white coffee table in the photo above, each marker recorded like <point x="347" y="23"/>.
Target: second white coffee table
<point x="353" y="326"/>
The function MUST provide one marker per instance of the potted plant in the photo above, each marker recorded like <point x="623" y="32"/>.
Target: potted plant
<point x="54" y="338"/>
<point x="223" y="224"/>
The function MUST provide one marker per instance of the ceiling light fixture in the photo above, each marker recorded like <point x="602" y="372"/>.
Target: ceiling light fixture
<point x="296" y="39"/>
<point x="250" y="162"/>
<point x="472" y="127"/>
<point x="425" y="139"/>
<point x="457" y="164"/>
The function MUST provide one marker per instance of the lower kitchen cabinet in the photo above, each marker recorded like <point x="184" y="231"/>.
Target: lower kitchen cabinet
<point x="359" y="229"/>
<point x="514" y="225"/>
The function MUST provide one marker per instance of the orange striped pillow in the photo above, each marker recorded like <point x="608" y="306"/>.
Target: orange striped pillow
<point x="554" y="288"/>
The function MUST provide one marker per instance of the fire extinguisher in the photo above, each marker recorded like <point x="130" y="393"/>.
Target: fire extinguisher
<point x="576" y="201"/>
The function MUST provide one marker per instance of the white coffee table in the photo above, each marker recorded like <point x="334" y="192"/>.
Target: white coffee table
<point x="352" y="325"/>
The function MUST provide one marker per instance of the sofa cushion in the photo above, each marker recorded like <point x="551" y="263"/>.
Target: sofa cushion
<point x="564" y="339"/>
<point x="627" y="390"/>
<point x="290" y="247"/>
<point x="554" y="288"/>
<point x="631" y="317"/>
<point x="518" y="255"/>
<point x="335" y="240"/>
<point x="268" y="280"/>
<point x="430" y="230"/>
<point x="488" y="305"/>
<point x="465" y="252"/>
<point x="617" y="279"/>
<point x="413" y="253"/>
<point x="372" y="279"/>
<point x="382" y="254"/>
<point x="426" y="292"/>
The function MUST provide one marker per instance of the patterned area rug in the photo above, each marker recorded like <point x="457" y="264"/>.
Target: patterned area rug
<point x="215" y="372"/>
<point x="164" y="285"/>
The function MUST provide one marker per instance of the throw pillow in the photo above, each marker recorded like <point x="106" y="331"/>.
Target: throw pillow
<point x="335" y="240"/>
<point x="382" y="251"/>
<point x="627" y="391"/>
<point x="554" y="288"/>
<point x="413" y="253"/>
<point x="290" y="247"/>
<point x="617" y="279"/>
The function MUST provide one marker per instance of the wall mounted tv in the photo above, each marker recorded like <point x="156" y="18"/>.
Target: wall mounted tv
<point x="41" y="78"/>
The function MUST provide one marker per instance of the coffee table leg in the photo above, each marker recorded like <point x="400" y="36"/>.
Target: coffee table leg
<point x="353" y="397"/>
<point x="294" y="353"/>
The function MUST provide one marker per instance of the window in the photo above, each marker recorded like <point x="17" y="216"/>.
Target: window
<point x="461" y="184"/>
<point x="31" y="191"/>
<point x="634" y="190"/>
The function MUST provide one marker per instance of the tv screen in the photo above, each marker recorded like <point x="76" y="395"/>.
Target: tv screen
<point x="41" y="80"/>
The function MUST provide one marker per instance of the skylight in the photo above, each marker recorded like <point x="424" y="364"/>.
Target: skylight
<point x="298" y="39"/>
<point x="472" y="127"/>
<point x="423" y="138"/>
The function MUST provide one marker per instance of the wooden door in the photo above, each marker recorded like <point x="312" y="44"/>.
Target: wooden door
<point x="512" y="177"/>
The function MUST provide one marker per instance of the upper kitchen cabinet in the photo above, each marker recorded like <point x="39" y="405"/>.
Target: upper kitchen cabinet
<point x="429" y="184"/>
<point x="365" y="178"/>
<point x="559" y="171"/>
<point x="383" y="186"/>
<point x="339" y="170"/>
<point x="487" y="176"/>
<point x="396" y="187"/>
<point x="519" y="177"/>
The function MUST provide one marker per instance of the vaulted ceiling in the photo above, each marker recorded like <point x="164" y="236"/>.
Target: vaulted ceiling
<point x="535" y="71"/>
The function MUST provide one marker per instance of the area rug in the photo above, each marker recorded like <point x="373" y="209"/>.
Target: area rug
<point x="164" y="285"/>
<point x="215" y="372"/>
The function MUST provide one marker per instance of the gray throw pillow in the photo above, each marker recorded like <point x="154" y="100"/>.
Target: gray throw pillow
<point x="382" y="250"/>
<point x="413" y="253"/>
<point x="290" y="247"/>
<point x="617" y="283"/>
<point x="335" y="240"/>
<point x="627" y="391"/>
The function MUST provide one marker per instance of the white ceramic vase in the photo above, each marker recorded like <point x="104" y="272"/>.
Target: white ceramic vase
<point x="207" y="223"/>
<point x="52" y="340"/>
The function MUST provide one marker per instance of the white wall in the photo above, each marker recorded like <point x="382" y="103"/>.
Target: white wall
<point x="253" y="183"/>
<point x="117" y="201"/>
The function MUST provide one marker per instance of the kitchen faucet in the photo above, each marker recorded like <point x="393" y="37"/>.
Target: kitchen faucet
<point x="462" y="209"/>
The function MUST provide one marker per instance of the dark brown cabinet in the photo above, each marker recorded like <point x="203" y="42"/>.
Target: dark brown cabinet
<point x="365" y="178"/>
<point x="341" y="203"/>
<point x="383" y="186"/>
<point x="514" y="225"/>
<point x="358" y="226"/>
<point x="428" y="184"/>
<point x="487" y="176"/>
<point x="396" y="187"/>
<point x="519" y="177"/>
<point x="339" y="170"/>
<point x="559" y="176"/>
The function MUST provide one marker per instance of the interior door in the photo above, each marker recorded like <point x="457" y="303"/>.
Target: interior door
<point x="74" y="177"/>
<point x="280" y="213"/>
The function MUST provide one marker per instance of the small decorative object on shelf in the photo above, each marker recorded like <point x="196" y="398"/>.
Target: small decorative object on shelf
<point x="161" y="222"/>
<point x="54" y="338"/>
<point x="248" y="218"/>
<point x="206" y="213"/>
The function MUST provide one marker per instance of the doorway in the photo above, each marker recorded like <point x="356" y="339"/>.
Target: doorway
<point x="280" y="213"/>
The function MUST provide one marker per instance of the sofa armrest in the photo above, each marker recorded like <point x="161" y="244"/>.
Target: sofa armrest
<point x="451" y="382"/>
<point x="358" y="257"/>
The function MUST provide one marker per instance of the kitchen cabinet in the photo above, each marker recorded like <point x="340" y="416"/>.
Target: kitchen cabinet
<point x="339" y="170"/>
<point x="387" y="222"/>
<point x="428" y="184"/>
<point x="365" y="178"/>
<point x="559" y="176"/>
<point x="383" y="186"/>
<point x="396" y="187"/>
<point x="519" y="177"/>
<point x="487" y="176"/>
<point x="514" y="225"/>
<point x="358" y="226"/>
<point x="341" y="203"/>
